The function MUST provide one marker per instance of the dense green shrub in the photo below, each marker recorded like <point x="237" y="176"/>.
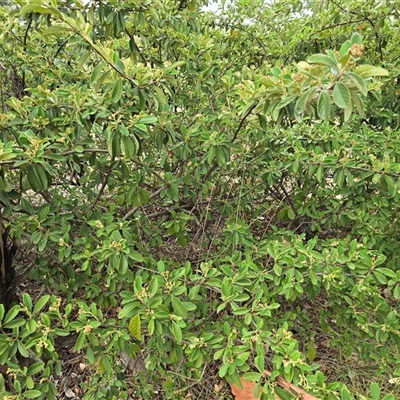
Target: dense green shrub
<point x="197" y="192"/>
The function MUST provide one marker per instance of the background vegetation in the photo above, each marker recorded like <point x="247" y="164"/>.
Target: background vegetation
<point x="216" y="196"/>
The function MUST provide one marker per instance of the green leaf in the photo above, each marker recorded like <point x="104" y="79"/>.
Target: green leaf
<point x="90" y="355"/>
<point x="31" y="325"/>
<point x="179" y="307"/>
<point x="136" y="256"/>
<point x="375" y="391"/>
<point x="259" y="362"/>
<point x="81" y="341"/>
<point x="285" y="101"/>
<point x="35" y="368"/>
<point x="114" y="142"/>
<point x="177" y="332"/>
<point x="22" y="350"/>
<point x="324" y="105"/>
<point x="27" y="301"/>
<point x="389" y="397"/>
<point x="36" y="8"/>
<point x="32" y="394"/>
<point x="153" y="287"/>
<point x="275" y="71"/>
<point x="42" y="244"/>
<point x="144" y="196"/>
<point x="104" y="364"/>
<point x="367" y="71"/>
<point x="347" y="111"/>
<point x="101" y="80"/>
<point x="15" y="323"/>
<point x="126" y="311"/>
<point x="262" y="120"/>
<point x="96" y="72"/>
<point x="357" y="103"/>
<point x="324" y="60"/>
<point x="41" y="303"/>
<point x="356" y="38"/>
<point x="358" y="82"/>
<point x="175" y="65"/>
<point x="148" y="119"/>
<point x="303" y="100"/>
<point x="134" y="327"/>
<point x="320" y="174"/>
<point x="11" y="314"/>
<point x="161" y="96"/>
<point x="344" y="49"/>
<point x="252" y="376"/>
<point x="120" y="66"/>
<point x="283" y="214"/>
<point x="37" y="178"/>
<point x="396" y="292"/>
<point x="117" y="91"/>
<point x="282" y="394"/>
<point x="128" y="146"/>
<point x="341" y="95"/>
<point x="55" y="30"/>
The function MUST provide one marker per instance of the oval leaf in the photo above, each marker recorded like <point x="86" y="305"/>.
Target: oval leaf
<point x="358" y="82"/>
<point x="37" y="178"/>
<point x="303" y="100"/>
<point x="341" y="95"/>
<point x="179" y="307"/>
<point x="324" y="60"/>
<point x="134" y="327"/>
<point x="117" y="91"/>
<point x="324" y="105"/>
<point x="367" y="71"/>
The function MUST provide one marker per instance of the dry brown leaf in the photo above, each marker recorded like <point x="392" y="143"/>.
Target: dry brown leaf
<point x="219" y="387"/>
<point x="244" y="393"/>
<point x="247" y="391"/>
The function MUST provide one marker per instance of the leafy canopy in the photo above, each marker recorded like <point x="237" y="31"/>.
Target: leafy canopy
<point x="216" y="192"/>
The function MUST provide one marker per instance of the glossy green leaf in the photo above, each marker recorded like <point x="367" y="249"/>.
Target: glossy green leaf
<point x="27" y="301"/>
<point x="41" y="303"/>
<point x="11" y="314"/>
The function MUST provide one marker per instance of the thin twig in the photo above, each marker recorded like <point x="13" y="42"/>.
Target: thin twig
<point x="241" y="123"/>
<point x="134" y="210"/>
<point x="99" y="194"/>
<point x="336" y="25"/>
